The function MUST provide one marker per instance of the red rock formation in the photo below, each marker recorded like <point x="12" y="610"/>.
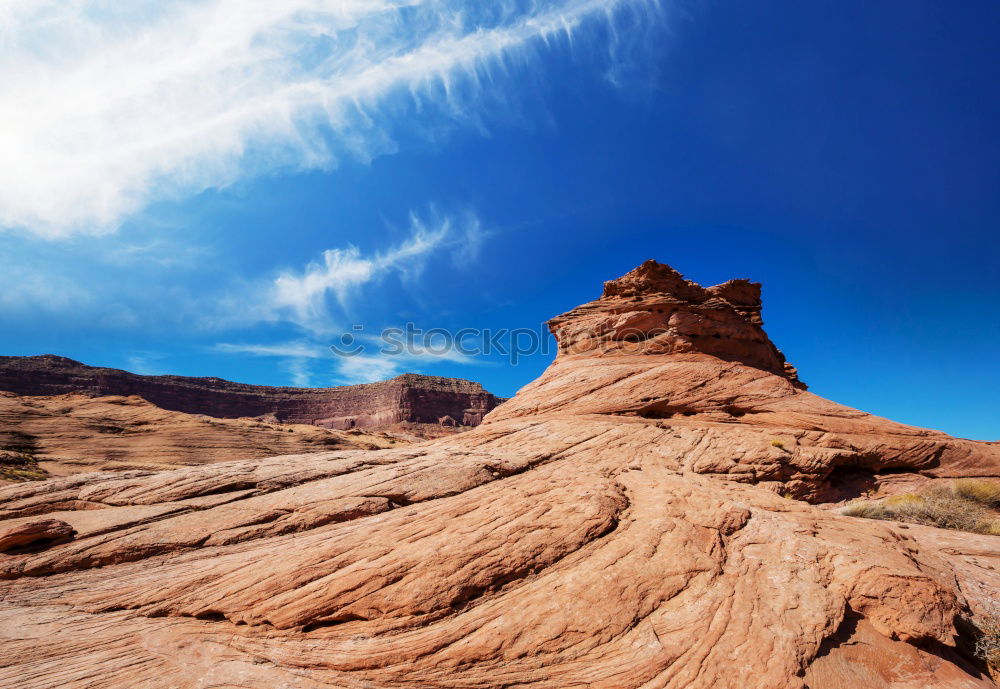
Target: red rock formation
<point x="654" y="310"/>
<point x="406" y="398"/>
<point x="617" y="525"/>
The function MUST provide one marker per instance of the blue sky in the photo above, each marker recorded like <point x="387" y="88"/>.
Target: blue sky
<point x="212" y="187"/>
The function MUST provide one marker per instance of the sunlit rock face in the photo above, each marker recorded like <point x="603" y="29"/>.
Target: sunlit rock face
<point x="626" y="521"/>
<point x="654" y="310"/>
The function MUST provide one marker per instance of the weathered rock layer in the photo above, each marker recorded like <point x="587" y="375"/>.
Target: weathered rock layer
<point x="619" y="524"/>
<point x="406" y="398"/>
<point x="66" y="434"/>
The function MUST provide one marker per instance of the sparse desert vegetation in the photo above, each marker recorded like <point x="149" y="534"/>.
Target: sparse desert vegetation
<point x="962" y="505"/>
<point x="983" y="491"/>
<point x="988" y="640"/>
<point x="17" y="457"/>
<point x="20" y="466"/>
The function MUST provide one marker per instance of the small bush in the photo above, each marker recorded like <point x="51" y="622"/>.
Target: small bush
<point x="988" y="639"/>
<point x="20" y="475"/>
<point x="943" y="507"/>
<point x="20" y="466"/>
<point x="867" y="509"/>
<point x="777" y="443"/>
<point x="983" y="491"/>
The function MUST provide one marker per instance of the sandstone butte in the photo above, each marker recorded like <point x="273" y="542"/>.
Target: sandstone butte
<point x="638" y="517"/>
<point x="409" y="398"/>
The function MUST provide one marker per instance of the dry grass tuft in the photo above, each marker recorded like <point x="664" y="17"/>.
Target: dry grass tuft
<point x="965" y="505"/>
<point x="988" y="639"/>
<point x="984" y="491"/>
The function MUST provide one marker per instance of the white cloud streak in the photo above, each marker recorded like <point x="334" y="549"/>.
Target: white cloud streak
<point x="303" y="297"/>
<point x="143" y="364"/>
<point x="299" y="350"/>
<point x="30" y="291"/>
<point x="367" y="369"/>
<point x="108" y="107"/>
<point x="299" y="358"/>
<point x="298" y="369"/>
<point x="295" y="357"/>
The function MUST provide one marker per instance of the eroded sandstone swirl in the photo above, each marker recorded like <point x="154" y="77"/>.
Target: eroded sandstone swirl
<point x="626" y="521"/>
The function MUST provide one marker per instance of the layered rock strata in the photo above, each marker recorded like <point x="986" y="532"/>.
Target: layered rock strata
<point x="409" y="398"/>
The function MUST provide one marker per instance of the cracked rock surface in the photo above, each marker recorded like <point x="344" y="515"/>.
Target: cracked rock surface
<point x="624" y="522"/>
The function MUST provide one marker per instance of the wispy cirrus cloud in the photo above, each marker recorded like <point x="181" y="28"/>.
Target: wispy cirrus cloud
<point x="367" y="369"/>
<point x="294" y="357"/>
<point x="316" y="298"/>
<point x="380" y="365"/>
<point x="305" y="296"/>
<point x="108" y="107"/>
<point x="297" y="350"/>
<point x="88" y="280"/>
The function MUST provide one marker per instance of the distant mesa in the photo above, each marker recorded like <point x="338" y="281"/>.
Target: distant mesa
<point x="408" y="398"/>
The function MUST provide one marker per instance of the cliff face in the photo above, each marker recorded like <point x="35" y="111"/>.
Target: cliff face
<point x="624" y="522"/>
<point x="406" y="398"/>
